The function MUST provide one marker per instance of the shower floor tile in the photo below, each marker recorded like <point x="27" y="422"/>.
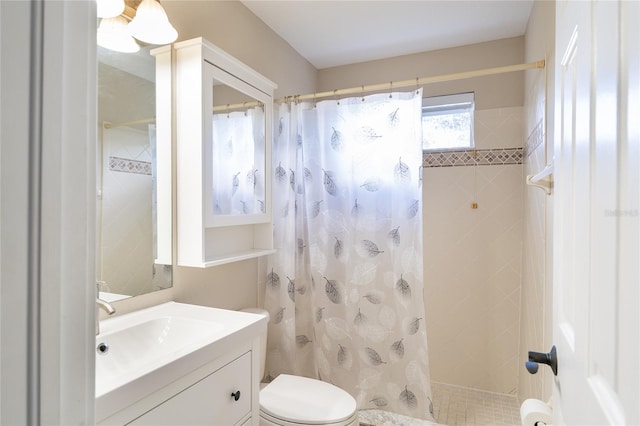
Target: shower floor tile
<point x="454" y="405"/>
<point x="386" y="418"/>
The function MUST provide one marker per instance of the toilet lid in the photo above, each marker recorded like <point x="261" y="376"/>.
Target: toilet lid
<point x="304" y="400"/>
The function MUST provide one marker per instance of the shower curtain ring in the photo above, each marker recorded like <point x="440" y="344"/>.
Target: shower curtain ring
<point x="363" y="93"/>
<point x="227" y="110"/>
<point x="390" y="89"/>
<point x="335" y="94"/>
<point x="417" y="85"/>
<point x="244" y="107"/>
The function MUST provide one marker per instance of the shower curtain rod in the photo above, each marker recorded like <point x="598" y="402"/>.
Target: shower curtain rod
<point x="107" y="125"/>
<point x="418" y="81"/>
<point x="394" y="85"/>
<point x="371" y="88"/>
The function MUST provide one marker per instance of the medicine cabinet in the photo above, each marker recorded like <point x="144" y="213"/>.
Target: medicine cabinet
<point x="223" y="147"/>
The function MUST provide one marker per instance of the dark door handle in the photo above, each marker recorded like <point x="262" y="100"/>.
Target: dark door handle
<point x="235" y="395"/>
<point x="550" y="359"/>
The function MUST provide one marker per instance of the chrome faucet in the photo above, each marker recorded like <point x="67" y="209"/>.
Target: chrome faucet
<point x="104" y="305"/>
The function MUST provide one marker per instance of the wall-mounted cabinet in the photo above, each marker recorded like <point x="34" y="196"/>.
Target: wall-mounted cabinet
<point x="223" y="112"/>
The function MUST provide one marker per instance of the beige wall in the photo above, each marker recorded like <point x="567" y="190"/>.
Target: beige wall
<point x="536" y="316"/>
<point x="499" y="91"/>
<point x="232" y="27"/>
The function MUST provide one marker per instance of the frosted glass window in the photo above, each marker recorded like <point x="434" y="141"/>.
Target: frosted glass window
<point x="447" y="122"/>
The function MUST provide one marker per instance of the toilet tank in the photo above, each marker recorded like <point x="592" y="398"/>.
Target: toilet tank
<point x="263" y="338"/>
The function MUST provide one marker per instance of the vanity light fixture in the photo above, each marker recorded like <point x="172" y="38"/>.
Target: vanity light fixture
<point x="109" y="8"/>
<point x="151" y="25"/>
<point x="148" y="23"/>
<point x="113" y="34"/>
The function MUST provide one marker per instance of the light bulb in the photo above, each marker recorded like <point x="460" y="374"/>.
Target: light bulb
<point x="109" y="8"/>
<point x="151" y="24"/>
<point x="113" y="34"/>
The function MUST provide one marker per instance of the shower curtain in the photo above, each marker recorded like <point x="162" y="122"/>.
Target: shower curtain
<point x="344" y="290"/>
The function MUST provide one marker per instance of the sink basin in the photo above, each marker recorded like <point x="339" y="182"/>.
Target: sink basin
<point x="138" y="353"/>
<point x="147" y="345"/>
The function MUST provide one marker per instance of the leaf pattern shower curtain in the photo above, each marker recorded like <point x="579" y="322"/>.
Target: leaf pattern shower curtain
<point x="345" y="290"/>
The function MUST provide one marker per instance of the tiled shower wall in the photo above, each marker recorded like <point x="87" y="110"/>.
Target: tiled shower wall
<point x="472" y="257"/>
<point x="536" y="316"/>
<point x="533" y="261"/>
<point x="126" y="228"/>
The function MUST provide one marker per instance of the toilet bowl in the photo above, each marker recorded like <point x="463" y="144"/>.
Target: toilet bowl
<point x="294" y="400"/>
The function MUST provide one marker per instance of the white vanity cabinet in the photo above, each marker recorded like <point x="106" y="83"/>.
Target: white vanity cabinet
<point x="222" y="398"/>
<point x="179" y="364"/>
<point x="223" y="112"/>
<point x="204" y="396"/>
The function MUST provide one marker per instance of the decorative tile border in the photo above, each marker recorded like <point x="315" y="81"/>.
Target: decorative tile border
<point x="534" y="140"/>
<point x="118" y="164"/>
<point x="479" y="157"/>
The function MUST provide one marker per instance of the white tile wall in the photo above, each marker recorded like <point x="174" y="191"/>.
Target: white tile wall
<point x="499" y="128"/>
<point x="472" y="261"/>
<point x="126" y="228"/>
<point x="533" y="322"/>
<point x="532" y="332"/>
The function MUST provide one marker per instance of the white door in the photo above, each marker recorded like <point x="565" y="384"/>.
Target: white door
<point x="47" y="220"/>
<point x="596" y="217"/>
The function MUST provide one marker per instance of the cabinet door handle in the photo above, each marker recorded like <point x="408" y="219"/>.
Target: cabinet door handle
<point x="235" y="395"/>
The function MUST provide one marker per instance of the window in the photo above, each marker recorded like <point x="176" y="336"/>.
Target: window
<point x="447" y="122"/>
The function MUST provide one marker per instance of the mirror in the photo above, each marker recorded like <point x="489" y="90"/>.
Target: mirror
<point x="236" y="186"/>
<point x="238" y="126"/>
<point x="133" y="179"/>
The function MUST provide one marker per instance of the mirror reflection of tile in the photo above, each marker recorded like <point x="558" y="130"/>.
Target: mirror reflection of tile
<point x="118" y="164"/>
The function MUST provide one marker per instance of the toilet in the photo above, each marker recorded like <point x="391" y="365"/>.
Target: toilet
<point x="294" y="400"/>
